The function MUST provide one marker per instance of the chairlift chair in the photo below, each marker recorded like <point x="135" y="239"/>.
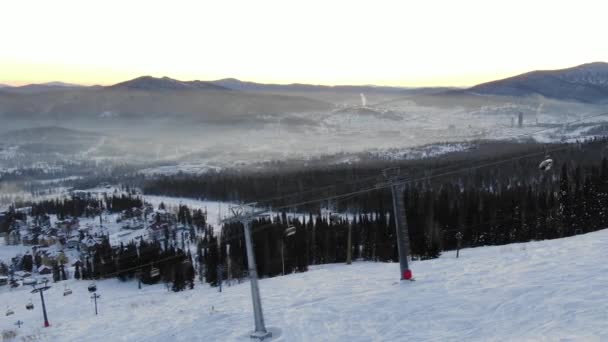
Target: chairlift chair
<point x="92" y="287"/>
<point x="67" y="291"/>
<point x="29" y="305"/>
<point x="154" y="272"/>
<point x="9" y="311"/>
<point x="290" y="230"/>
<point x="546" y="164"/>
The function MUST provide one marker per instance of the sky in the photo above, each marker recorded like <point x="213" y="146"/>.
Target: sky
<point x="398" y="43"/>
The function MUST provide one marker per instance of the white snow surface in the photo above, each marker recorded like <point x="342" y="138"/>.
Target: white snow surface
<point x="538" y="291"/>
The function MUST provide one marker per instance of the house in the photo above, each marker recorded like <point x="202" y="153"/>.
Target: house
<point x="68" y="225"/>
<point x="132" y="224"/>
<point x="46" y="240"/>
<point x="19" y="225"/>
<point x="72" y="243"/>
<point x="162" y="216"/>
<point x="43" y="220"/>
<point x="157" y="230"/>
<point x="43" y="269"/>
<point x="89" y="244"/>
<point x="14" y="238"/>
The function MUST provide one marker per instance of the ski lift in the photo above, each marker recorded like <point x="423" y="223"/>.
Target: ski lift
<point x="29" y="305"/>
<point x="9" y="311"/>
<point x="92" y="287"/>
<point x="154" y="272"/>
<point x="546" y="164"/>
<point x="67" y="291"/>
<point x="290" y="230"/>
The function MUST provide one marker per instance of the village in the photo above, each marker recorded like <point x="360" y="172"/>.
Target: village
<point x="51" y="246"/>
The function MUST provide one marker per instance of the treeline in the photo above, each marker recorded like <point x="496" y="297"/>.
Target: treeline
<point x="490" y="199"/>
<point x="317" y="240"/>
<point x="146" y="261"/>
<point x="283" y="184"/>
<point x="85" y="206"/>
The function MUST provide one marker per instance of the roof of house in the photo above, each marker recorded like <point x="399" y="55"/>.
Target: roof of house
<point x="42" y="268"/>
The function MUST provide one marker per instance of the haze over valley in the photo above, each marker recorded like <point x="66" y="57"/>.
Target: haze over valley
<point x="195" y="126"/>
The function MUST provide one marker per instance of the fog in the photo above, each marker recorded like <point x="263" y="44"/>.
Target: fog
<point x="389" y="122"/>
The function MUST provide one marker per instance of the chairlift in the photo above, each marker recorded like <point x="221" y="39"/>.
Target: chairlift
<point x="9" y="312"/>
<point x="92" y="287"/>
<point x="290" y="230"/>
<point x="546" y="164"/>
<point x="29" y="305"/>
<point x="67" y="291"/>
<point x="154" y="272"/>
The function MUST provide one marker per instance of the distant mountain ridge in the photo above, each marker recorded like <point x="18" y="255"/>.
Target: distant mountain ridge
<point x="584" y="83"/>
<point x="148" y="98"/>
<point x="236" y="84"/>
<point x="228" y="100"/>
<point x="50" y="135"/>
<point x="166" y="83"/>
<point x="39" y="88"/>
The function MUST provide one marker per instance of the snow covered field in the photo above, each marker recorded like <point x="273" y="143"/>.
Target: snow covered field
<point x="548" y="291"/>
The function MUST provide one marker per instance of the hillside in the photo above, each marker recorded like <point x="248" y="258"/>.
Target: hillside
<point x="165" y="83"/>
<point x="584" y="83"/>
<point x="47" y="134"/>
<point x="40" y="88"/>
<point x="151" y="98"/>
<point x="547" y="290"/>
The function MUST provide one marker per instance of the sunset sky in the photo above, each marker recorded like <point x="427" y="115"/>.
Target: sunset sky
<point x="403" y="43"/>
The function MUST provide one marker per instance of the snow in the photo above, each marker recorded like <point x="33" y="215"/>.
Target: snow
<point x="58" y="180"/>
<point x="8" y="252"/>
<point x="187" y="168"/>
<point x="216" y="211"/>
<point x="547" y="290"/>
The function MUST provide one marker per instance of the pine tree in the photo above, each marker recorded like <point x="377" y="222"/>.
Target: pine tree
<point x="56" y="273"/>
<point x="63" y="274"/>
<point x="77" y="272"/>
<point x="27" y="262"/>
<point x="565" y="203"/>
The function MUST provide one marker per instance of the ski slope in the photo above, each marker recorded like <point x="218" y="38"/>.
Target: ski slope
<point x="540" y="291"/>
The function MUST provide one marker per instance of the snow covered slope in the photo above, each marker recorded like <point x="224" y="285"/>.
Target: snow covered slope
<point x="548" y="291"/>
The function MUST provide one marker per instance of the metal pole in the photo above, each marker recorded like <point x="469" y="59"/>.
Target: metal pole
<point x="46" y="320"/>
<point x="220" y="276"/>
<point x="349" y="244"/>
<point x="459" y="242"/>
<point x="41" y="290"/>
<point x="95" y="296"/>
<point x="260" y="330"/>
<point x="403" y="239"/>
<point x="283" y="255"/>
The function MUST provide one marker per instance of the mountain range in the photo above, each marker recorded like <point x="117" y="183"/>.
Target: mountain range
<point x="151" y="97"/>
<point x="584" y="83"/>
